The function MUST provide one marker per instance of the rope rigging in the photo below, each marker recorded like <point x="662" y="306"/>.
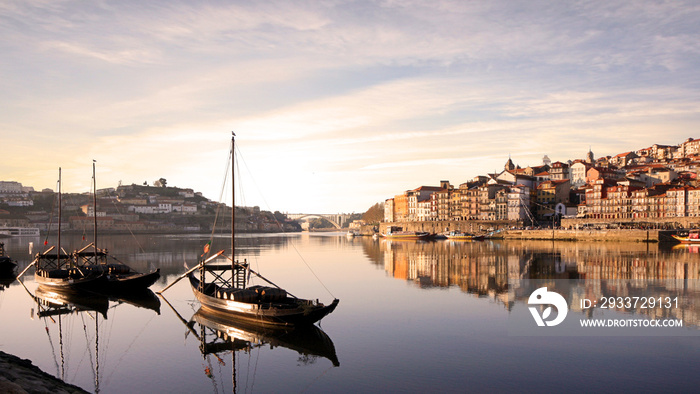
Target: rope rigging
<point x="233" y="158"/>
<point x="267" y="205"/>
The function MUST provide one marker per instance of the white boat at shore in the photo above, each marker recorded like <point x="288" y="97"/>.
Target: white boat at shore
<point x="19" y="231"/>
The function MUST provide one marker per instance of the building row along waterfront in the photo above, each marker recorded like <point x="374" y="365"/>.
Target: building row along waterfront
<point x="660" y="181"/>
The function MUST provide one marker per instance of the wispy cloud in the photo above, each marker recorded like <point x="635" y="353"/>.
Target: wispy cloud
<point x="336" y="95"/>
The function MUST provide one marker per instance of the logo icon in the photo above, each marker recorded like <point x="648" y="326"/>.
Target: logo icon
<point x="543" y="297"/>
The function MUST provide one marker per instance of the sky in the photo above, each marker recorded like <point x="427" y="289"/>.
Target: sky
<point x="336" y="105"/>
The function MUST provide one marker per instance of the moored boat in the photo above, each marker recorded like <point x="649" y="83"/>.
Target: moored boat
<point x="7" y="265"/>
<point x="56" y="269"/>
<point x="119" y="277"/>
<point x="222" y="286"/>
<point x="460" y="236"/>
<point x="691" y="237"/>
<point x="396" y="232"/>
<point x="262" y="305"/>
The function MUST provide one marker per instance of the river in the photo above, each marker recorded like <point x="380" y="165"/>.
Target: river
<point x="413" y="317"/>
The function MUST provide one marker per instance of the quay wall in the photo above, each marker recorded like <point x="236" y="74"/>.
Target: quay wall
<point x="592" y="235"/>
<point x="589" y="235"/>
<point x="469" y="226"/>
<point x="659" y="223"/>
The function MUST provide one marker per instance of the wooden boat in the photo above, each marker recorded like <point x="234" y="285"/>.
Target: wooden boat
<point x="7" y="265"/>
<point x="57" y="269"/>
<point x="396" y="232"/>
<point x="120" y="278"/>
<point x="692" y="237"/>
<point x="222" y="287"/>
<point x="459" y="236"/>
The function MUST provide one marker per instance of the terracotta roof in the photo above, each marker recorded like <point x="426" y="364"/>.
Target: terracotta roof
<point x="428" y="188"/>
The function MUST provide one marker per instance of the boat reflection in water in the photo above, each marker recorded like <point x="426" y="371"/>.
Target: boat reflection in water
<point x="50" y="299"/>
<point x="7" y="265"/>
<point x="218" y="334"/>
<point x="6" y="280"/>
<point x="229" y="334"/>
<point x="55" y="303"/>
<point x="61" y="310"/>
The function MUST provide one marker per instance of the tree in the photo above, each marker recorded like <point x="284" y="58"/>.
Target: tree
<point x="280" y="217"/>
<point x="320" y="223"/>
<point x="374" y="214"/>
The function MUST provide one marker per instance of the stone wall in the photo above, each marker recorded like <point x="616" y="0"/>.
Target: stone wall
<point x="592" y="235"/>
<point x="660" y="223"/>
<point x="588" y="234"/>
<point x="469" y="226"/>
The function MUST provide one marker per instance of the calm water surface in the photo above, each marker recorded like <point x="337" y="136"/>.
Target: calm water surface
<point x="413" y="317"/>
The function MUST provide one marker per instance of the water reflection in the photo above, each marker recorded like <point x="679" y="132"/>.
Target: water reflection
<point x="64" y="312"/>
<point x="492" y="269"/>
<point x="219" y="335"/>
<point x="6" y="280"/>
<point x="457" y="295"/>
<point x="486" y="267"/>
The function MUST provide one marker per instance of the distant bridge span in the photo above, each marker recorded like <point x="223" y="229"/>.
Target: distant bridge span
<point x="336" y="219"/>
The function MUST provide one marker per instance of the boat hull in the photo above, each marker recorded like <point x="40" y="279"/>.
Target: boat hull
<point x="465" y="237"/>
<point x="290" y="312"/>
<point x="61" y="280"/>
<point x="131" y="282"/>
<point x="409" y="236"/>
<point x="686" y="240"/>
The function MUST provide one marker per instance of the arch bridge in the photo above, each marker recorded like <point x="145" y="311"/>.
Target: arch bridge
<point x="336" y="219"/>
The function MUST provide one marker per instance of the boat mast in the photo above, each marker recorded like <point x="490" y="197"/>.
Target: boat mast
<point x="233" y="196"/>
<point x="58" y="251"/>
<point x="94" y="209"/>
<point x="238" y="271"/>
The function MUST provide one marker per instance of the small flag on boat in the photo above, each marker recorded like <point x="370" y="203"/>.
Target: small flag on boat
<point x="46" y="242"/>
<point x="207" y="246"/>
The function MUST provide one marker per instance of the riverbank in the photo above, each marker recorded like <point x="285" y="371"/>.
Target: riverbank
<point x="21" y="376"/>
<point x="606" y="235"/>
<point x="502" y="230"/>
